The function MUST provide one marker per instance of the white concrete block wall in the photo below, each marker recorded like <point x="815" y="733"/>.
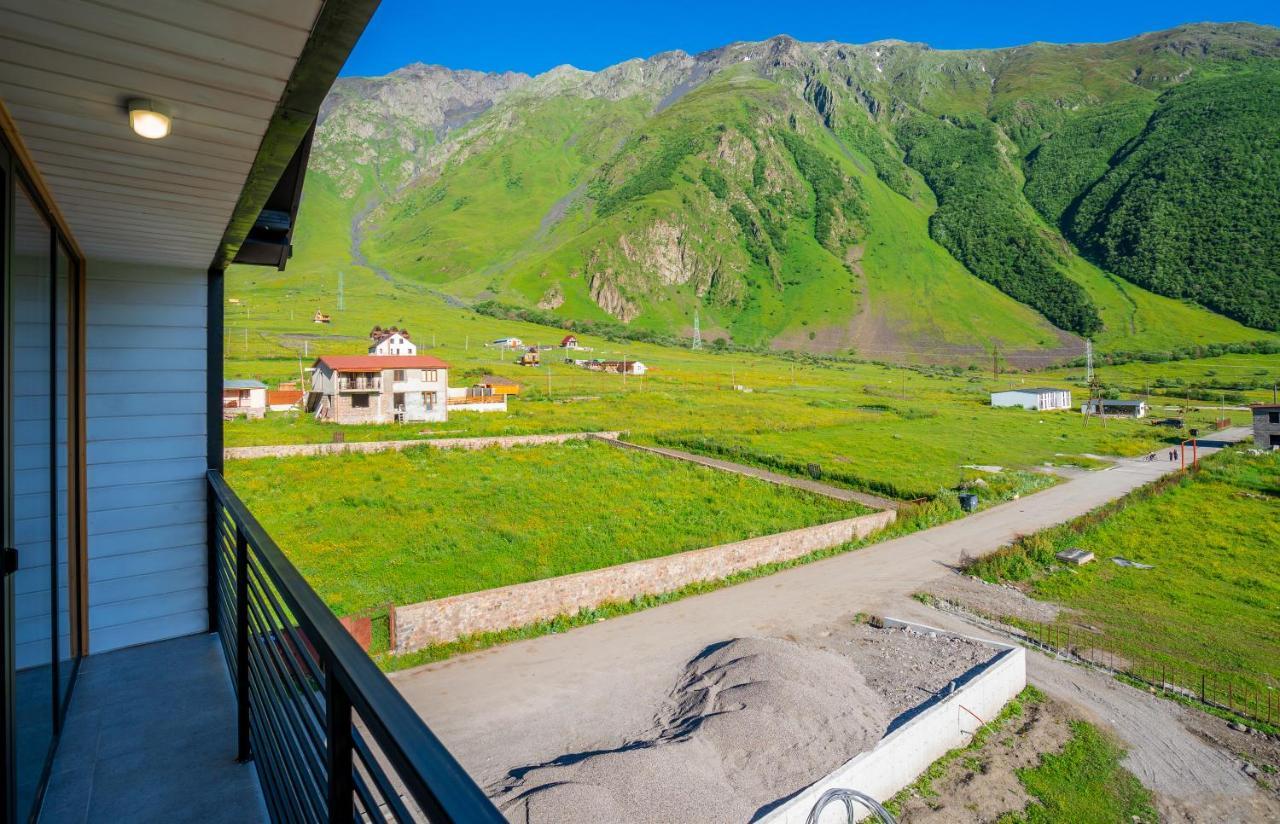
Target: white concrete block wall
<point x="145" y="410"/>
<point x="902" y="755"/>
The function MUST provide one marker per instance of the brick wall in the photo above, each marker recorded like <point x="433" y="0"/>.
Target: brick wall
<point x="418" y="625"/>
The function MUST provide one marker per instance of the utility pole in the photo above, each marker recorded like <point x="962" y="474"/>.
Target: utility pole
<point x="624" y="371"/>
<point x="548" y="382"/>
<point x="1088" y="360"/>
<point x="995" y="364"/>
<point x="341" y="301"/>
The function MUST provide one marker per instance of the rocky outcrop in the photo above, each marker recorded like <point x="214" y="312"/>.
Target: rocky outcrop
<point x="605" y="292"/>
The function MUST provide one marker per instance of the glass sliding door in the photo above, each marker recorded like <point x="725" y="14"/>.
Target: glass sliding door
<point x="40" y="504"/>
<point x="31" y="371"/>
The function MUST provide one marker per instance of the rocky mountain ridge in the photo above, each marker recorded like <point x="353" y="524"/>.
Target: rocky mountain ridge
<point x="750" y="179"/>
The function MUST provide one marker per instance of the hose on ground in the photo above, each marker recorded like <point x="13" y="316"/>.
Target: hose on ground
<point x="848" y="797"/>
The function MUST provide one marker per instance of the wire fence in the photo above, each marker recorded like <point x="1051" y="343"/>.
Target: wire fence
<point x="1252" y="696"/>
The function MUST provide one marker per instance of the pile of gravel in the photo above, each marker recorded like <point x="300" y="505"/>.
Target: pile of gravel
<point x="749" y="722"/>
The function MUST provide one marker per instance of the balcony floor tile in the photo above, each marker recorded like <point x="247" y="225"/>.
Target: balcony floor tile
<point x="150" y="737"/>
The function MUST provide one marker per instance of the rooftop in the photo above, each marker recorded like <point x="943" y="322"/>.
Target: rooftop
<point x="343" y="363"/>
<point x="1026" y="390"/>
<point x="243" y="384"/>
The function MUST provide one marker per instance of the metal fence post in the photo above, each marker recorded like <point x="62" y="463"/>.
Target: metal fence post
<point x="338" y="752"/>
<point x="244" y="751"/>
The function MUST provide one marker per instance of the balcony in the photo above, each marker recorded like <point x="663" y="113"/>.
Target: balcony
<point x="360" y="384"/>
<point x="276" y="716"/>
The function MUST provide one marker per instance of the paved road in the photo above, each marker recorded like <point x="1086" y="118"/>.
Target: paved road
<point x="527" y="702"/>
<point x="816" y="487"/>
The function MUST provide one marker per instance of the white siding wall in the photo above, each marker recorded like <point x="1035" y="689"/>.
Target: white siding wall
<point x="146" y="453"/>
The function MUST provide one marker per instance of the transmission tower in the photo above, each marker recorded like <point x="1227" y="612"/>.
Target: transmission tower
<point x="697" y="331"/>
<point x="1094" y="407"/>
<point x="341" y="304"/>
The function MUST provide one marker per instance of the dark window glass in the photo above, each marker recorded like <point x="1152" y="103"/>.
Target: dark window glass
<point x="360" y="401"/>
<point x="63" y="545"/>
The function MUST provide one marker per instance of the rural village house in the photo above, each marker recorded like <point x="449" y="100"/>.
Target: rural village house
<point x="391" y="341"/>
<point x="244" y="397"/>
<point x="1039" y="399"/>
<point x="568" y="342"/>
<point x="379" y="388"/>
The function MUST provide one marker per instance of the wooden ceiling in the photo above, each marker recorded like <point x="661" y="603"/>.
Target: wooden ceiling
<point x="68" y="66"/>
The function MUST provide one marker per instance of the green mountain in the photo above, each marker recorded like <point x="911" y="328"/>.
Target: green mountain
<point x="888" y="198"/>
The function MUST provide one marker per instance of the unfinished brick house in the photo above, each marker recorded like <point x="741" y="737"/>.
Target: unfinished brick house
<point x="379" y="389"/>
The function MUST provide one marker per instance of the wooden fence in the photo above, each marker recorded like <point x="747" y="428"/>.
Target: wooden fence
<point x="1247" y="695"/>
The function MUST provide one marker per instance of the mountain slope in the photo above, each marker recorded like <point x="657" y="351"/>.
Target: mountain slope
<point x="887" y="199"/>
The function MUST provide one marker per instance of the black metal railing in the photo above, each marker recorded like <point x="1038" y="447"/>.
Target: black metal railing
<point x="332" y="739"/>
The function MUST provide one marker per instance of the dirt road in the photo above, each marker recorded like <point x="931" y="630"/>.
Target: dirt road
<point x="527" y="702"/>
<point x="1193" y="781"/>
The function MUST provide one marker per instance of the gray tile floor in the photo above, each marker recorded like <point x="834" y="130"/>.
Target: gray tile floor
<point x="151" y="737"/>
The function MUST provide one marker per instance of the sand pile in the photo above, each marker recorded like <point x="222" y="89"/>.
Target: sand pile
<point x="749" y="722"/>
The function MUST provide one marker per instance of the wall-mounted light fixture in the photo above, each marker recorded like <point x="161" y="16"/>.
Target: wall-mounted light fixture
<point x="149" y="118"/>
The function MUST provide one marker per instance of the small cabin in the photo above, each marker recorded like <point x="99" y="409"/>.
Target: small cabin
<point x="247" y="398"/>
<point x="1039" y="399"/>
<point x="500" y="385"/>
<point x="1115" y="409"/>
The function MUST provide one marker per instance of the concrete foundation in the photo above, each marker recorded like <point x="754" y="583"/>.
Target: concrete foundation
<point x="938" y="727"/>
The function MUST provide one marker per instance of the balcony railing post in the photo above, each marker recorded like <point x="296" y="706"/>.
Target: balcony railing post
<point x="338" y="751"/>
<point x="243" y="749"/>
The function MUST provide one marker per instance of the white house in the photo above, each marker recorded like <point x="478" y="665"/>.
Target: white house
<point x="391" y="341"/>
<point x="1038" y="398"/>
<point x="508" y="343"/>
<point x="1119" y="409"/>
<point x="244" y="397"/>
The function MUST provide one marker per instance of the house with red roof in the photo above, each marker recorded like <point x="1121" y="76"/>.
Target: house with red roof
<point x="379" y="389"/>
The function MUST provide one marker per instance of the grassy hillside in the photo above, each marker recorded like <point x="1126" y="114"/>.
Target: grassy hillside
<point x="1190" y="207"/>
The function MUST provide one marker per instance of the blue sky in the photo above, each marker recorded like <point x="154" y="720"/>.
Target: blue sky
<point x="535" y="36"/>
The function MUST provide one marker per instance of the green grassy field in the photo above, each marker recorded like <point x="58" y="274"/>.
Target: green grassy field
<point x="1212" y="599"/>
<point x="402" y="527"/>
<point x="903" y="431"/>
<point x="1083" y="781"/>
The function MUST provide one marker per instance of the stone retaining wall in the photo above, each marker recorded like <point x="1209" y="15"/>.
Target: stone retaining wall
<point x="502" y="442"/>
<point x="493" y="610"/>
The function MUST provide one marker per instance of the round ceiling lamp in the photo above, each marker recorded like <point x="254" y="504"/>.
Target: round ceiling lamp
<point x="149" y="118"/>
